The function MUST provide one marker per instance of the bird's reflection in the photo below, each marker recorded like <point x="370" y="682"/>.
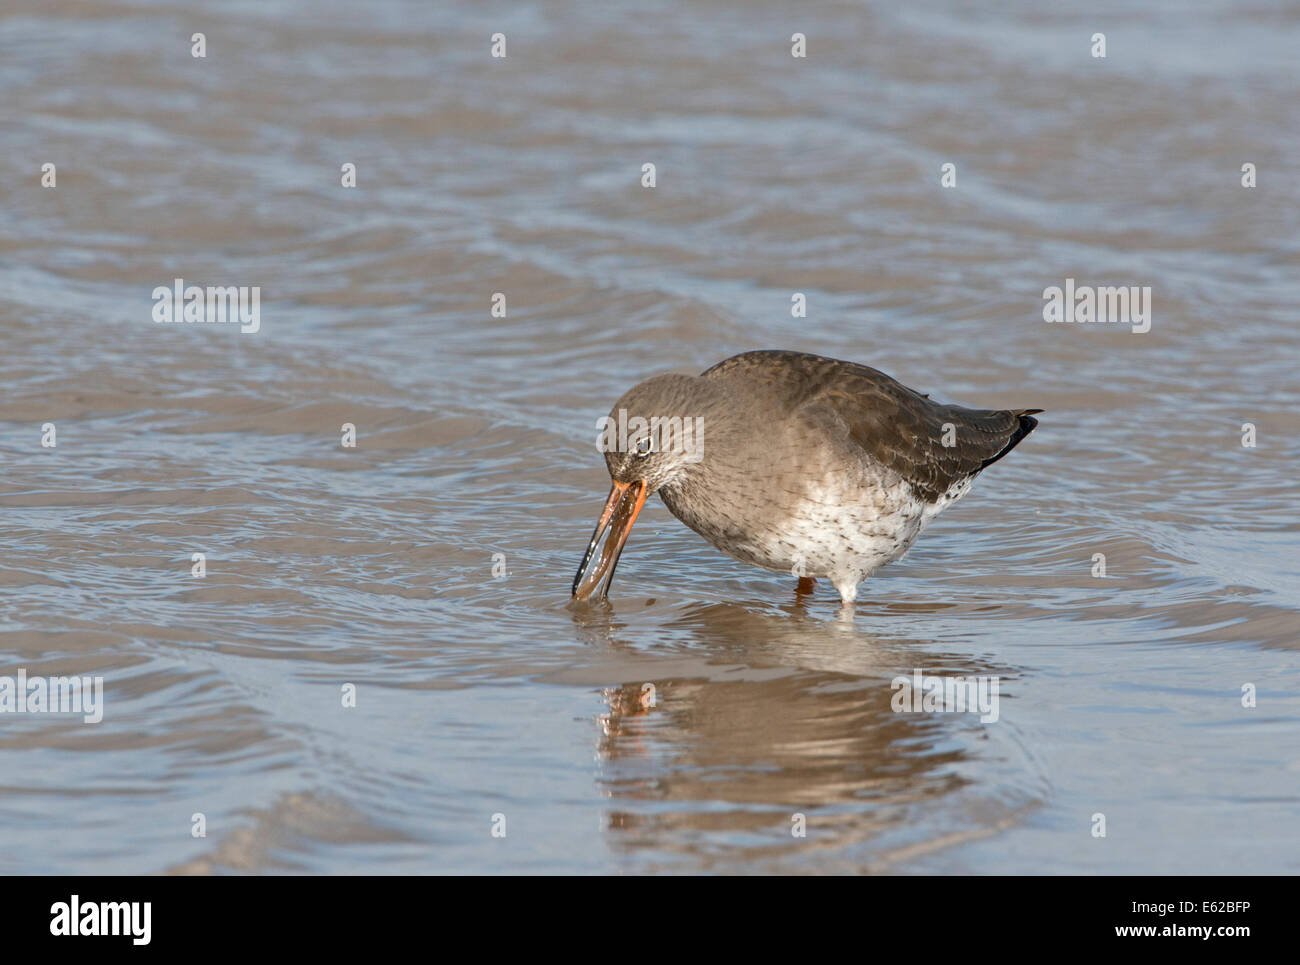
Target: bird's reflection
<point x="744" y="717"/>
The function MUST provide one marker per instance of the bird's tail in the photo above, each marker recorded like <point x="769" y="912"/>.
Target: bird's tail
<point x="1027" y="425"/>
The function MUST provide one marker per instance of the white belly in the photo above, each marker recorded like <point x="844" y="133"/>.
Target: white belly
<point x="845" y="533"/>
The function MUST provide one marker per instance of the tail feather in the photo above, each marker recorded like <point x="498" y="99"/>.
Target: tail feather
<point x="1027" y="425"/>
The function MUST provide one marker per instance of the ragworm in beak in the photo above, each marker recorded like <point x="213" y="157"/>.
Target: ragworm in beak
<point x="621" y="510"/>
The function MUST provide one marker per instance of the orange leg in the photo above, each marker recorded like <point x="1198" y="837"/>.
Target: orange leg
<point x="805" y="586"/>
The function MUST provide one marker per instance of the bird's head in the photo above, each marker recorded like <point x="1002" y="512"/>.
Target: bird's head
<point x="652" y="438"/>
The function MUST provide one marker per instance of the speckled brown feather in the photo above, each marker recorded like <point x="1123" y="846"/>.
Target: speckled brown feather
<point x="890" y="423"/>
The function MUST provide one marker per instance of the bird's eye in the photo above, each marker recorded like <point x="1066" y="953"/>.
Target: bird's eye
<point x="643" y="446"/>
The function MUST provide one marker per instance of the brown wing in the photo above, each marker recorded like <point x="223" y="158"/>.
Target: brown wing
<point x="891" y="423"/>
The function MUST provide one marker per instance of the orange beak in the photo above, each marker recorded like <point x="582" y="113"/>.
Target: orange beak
<point x="621" y="510"/>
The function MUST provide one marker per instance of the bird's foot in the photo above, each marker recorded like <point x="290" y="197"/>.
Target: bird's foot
<point x="848" y="589"/>
<point x="805" y="586"/>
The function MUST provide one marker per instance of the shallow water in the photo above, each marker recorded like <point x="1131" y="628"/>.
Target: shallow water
<point x="373" y="566"/>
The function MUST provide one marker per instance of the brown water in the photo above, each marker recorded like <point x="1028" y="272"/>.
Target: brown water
<point x="374" y="566"/>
